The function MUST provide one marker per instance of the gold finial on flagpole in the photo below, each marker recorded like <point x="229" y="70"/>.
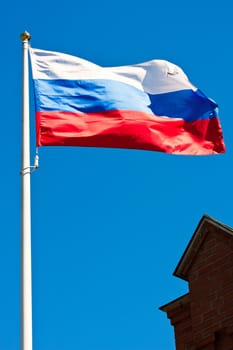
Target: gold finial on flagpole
<point x="25" y="36"/>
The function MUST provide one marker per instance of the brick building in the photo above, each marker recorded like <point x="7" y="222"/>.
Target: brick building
<point x="203" y="318"/>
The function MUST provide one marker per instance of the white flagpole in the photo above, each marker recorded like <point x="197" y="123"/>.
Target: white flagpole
<point x="25" y="259"/>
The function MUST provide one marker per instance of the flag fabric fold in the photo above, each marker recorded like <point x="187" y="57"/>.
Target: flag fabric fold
<point x="150" y="106"/>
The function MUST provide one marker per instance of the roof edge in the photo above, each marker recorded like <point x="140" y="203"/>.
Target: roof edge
<point x="174" y="303"/>
<point x="198" y="236"/>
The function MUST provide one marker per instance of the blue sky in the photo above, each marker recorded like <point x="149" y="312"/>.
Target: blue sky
<point x="109" y="226"/>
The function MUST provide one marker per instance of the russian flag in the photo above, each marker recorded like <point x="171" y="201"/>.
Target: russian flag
<point x="150" y="106"/>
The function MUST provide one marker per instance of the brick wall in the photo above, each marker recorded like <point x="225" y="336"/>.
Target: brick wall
<point x="203" y="319"/>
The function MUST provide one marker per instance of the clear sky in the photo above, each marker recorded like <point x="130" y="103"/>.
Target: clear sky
<point x="109" y="226"/>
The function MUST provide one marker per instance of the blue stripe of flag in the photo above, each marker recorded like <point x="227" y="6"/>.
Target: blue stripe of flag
<point x="93" y="96"/>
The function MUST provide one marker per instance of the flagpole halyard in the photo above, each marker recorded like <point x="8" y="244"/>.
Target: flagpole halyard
<point x="25" y="258"/>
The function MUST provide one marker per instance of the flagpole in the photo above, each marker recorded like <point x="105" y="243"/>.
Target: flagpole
<point x="25" y="258"/>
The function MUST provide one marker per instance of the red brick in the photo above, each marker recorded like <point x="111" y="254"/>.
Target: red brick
<point x="205" y="319"/>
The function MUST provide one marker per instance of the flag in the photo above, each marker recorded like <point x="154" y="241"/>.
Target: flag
<point x="150" y="106"/>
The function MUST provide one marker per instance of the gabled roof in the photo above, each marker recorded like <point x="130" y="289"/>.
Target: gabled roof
<point x="197" y="239"/>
